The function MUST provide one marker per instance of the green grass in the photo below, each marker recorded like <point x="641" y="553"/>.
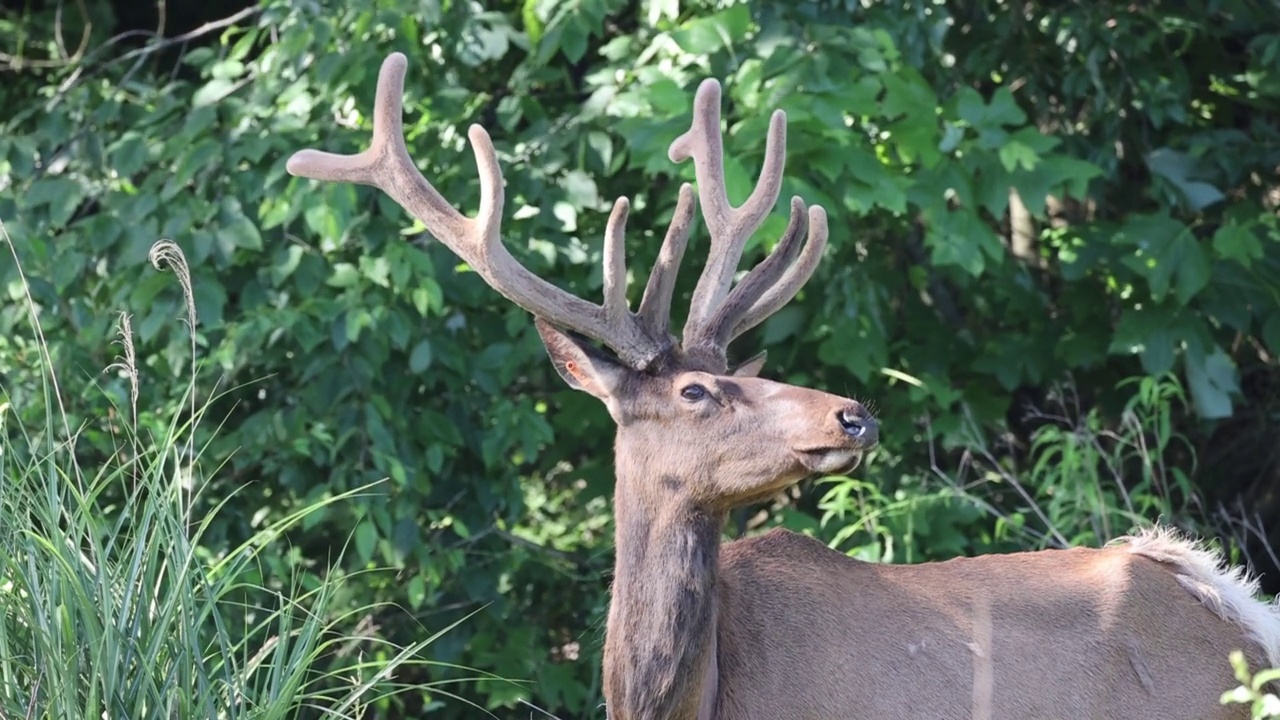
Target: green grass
<point x="110" y="607"/>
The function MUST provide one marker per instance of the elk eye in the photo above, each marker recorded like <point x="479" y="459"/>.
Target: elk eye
<point x="693" y="392"/>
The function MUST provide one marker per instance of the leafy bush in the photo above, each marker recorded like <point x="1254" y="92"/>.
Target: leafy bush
<point x="1021" y="198"/>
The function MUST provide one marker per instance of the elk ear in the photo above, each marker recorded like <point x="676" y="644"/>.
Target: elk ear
<point x="581" y="365"/>
<point x="752" y="366"/>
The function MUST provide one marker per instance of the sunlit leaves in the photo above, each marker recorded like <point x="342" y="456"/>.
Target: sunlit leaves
<point x="1154" y="332"/>
<point x="914" y="104"/>
<point x="712" y="33"/>
<point x="1168" y="255"/>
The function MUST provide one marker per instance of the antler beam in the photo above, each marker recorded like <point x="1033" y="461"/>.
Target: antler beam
<point x="387" y="165"/>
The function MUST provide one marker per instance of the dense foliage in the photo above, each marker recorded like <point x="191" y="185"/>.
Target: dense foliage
<point x="1031" y="204"/>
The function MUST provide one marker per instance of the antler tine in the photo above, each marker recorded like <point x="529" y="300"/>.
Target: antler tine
<point x="655" y="305"/>
<point x="719" y="329"/>
<point x="387" y="165"/>
<point x="728" y="226"/>
<point x="796" y="275"/>
<point x="615" y="263"/>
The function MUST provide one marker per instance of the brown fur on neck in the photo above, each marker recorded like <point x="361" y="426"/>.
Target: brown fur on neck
<point x="662" y="617"/>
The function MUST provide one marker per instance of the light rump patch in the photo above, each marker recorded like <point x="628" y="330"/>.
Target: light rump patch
<point x="1229" y="592"/>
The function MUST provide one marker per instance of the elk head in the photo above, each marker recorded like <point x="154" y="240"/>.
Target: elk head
<point x="686" y="424"/>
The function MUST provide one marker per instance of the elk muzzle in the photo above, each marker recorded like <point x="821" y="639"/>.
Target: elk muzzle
<point x="849" y="432"/>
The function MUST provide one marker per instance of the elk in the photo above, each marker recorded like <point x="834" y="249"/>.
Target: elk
<point x="778" y="626"/>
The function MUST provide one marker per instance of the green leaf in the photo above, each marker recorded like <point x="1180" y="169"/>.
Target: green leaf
<point x="1212" y="380"/>
<point x="405" y="538"/>
<point x="573" y="40"/>
<point x="911" y="102"/>
<point x="357" y="320"/>
<point x="228" y="69"/>
<point x="129" y="154"/>
<point x="711" y="33"/>
<point x="344" y="275"/>
<point x="1014" y="154"/>
<point x="286" y="261"/>
<point x="785" y="323"/>
<point x="1235" y="242"/>
<point x="435" y="459"/>
<point x="210" y="299"/>
<point x="1024" y="149"/>
<point x="1168" y="253"/>
<point x="1003" y="110"/>
<point x="366" y="539"/>
<point x="960" y="238"/>
<point x="1265" y="677"/>
<point x="427" y="296"/>
<point x="416" y="591"/>
<point x="377" y="269"/>
<point x="61" y="195"/>
<point x="421" y="357"/>
<point x="737" y="182"/>
<point x="235" y="229"/>
<point x="909" y="94"/>
<point x="1271" y="333"/>
<point x="1050" y="176"/>
<point x="1179" y="169"/>
<point x="876" y="185"/>
<point x="198" y="56"/>
<point x="213" y="91"/>
<point x="937" y="187"/>
<point x="195" y="159"/>
<point x="659" y="9"/>
<point x="1148" y="331"/>
<point x="533" y="25"/>
<point x="602" y="144"/>
<point x="1193" y="268"/>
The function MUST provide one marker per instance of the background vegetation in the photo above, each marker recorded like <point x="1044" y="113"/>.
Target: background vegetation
<point x="1054" y="269"/>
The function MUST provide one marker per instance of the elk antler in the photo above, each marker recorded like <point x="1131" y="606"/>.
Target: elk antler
<point x="637" y="339"/>
<point x="718" y="315"/>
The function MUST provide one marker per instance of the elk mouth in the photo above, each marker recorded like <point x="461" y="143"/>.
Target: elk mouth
<point x="830" y="460"/>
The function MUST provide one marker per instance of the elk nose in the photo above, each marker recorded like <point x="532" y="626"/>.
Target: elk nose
<point x="857" y="423"/>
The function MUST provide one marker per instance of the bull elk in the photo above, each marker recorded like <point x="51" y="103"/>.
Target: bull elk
<point x="779" y="626"/>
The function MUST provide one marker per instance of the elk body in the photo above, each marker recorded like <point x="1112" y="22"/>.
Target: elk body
<point x="779" y="626"/>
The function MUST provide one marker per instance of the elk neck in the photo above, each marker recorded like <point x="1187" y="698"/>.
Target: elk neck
<point x="660" y="643"/>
